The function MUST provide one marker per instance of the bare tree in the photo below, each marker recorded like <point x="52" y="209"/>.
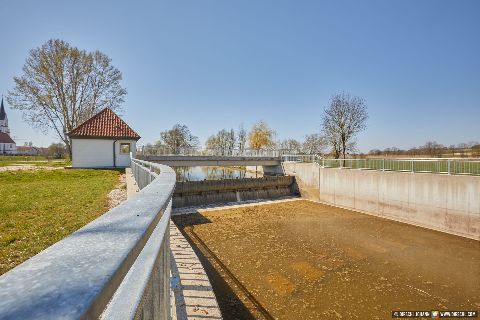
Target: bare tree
<point x="261" y="136"/>
<point x="344" y="118"/>
<point x="178" y="139"/>
<point x="61" y="86"/>
<point x="242" y="138"/>
<point x="432" y="148"/>
<point x="292" y="145"/>
<point x="223" y="142"/>
<point x="314" y="144"/>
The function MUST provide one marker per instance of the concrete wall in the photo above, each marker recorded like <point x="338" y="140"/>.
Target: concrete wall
<point x="194" y="193"/>
<point x="98" y="153"/>
<point x="441" y="202"/>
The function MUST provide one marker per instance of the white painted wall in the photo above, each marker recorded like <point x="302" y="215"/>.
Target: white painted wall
<point x="98" y="153"/>
<point x="8" y="148"/>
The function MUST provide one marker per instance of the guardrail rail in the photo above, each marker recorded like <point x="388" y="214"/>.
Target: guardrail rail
<point x="115" y="267"/>
<point x="453" y="166"/>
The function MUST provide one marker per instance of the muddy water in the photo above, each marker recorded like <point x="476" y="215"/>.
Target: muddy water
<point x="302" y="260"/>
<point x="214" y="173"/>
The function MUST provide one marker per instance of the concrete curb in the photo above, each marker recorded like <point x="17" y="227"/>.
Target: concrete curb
<point x="192" y="294"/>
<point x="132" y="187"/>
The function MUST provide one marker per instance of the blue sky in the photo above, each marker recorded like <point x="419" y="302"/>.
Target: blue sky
<point x="213" y="64"/>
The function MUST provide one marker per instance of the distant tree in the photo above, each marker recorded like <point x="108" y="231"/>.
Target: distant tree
<point x="314" y="144"/>
<point x="432" y="148"/>
<point x="61" y="86"/>
<point x="261" y="136"/>
<point x="375" y="152"/>
<point x="241" y="138"/>
<point x="223" y="142"/>
<point x="344" y="118"/>
<point x="178" y="139"/>
<point x="294" y="146"/>
<point x="57" y="151"/>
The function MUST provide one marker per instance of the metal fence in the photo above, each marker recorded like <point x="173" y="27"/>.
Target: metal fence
<point x="164" y="151"/>
<point x="431" y="165"/>
<point x="116" y="267"/>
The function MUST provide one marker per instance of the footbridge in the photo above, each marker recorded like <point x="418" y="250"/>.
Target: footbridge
<point x="194" y="161"/>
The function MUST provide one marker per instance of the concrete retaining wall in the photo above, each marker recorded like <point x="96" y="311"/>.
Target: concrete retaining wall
<point x="195" y="193"/>
<point x="441" y="202"/>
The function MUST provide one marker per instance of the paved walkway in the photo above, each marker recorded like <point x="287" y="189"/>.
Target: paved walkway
<point x="192" y="293"/>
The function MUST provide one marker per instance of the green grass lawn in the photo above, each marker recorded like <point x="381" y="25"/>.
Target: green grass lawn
<point x="40" y="207"/>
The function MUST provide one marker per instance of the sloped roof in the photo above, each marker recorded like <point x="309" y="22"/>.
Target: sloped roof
<point x="105" y="124"/>
<point x="2" y="111"/>
<point x="5" y="138"/>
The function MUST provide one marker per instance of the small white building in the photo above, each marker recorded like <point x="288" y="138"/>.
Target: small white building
<point x="7" y="145"/>
<point x="103" y="141"/>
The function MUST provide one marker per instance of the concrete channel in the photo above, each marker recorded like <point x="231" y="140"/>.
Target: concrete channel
<point x="358" y="244"/>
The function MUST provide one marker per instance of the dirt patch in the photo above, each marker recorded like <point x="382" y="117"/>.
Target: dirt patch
<point x="119" y="194"/>
<point x="27" y="167"/>
<point x="304" y="260"/>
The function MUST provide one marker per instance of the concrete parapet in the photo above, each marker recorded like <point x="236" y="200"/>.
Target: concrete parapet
<point x="448" y="203"/>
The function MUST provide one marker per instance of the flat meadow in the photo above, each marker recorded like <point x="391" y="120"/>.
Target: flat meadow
<point x="40" y="207"/>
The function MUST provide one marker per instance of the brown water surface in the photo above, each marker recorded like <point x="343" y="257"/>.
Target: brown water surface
<point x="304" y="260"/>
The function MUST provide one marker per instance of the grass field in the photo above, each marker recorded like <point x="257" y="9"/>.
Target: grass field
<point x="40" y="207"/>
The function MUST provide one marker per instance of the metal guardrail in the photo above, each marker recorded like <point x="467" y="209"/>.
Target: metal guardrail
<point x="116" y="267"/>
<point x="161" y="151"/>
<point x="454" y="166"/>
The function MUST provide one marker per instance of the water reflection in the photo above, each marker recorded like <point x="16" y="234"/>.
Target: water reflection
<point x="214" y="173"/>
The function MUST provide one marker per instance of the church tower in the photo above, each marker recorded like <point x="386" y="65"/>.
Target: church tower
<point x="7" y="145"/>
<point x="3" y="120"/>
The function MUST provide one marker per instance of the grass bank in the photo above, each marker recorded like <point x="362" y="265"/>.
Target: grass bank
<point x="40" y="207"/>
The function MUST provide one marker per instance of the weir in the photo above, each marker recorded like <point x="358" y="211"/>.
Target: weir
<point x="196" y="193"/>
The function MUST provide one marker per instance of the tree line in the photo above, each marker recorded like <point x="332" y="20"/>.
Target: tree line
<point x="343" y="119"/>
<point x="431" y="149"/>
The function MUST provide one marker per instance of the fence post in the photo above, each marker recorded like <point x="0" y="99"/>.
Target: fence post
<point x="412" y="165"/>
<point x="448" y="166"/>
<point x="383" y="164"/>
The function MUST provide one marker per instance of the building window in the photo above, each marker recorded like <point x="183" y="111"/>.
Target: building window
<point x="125" y="148"/>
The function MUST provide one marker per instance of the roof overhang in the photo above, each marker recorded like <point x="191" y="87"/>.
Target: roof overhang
<point x="103" y="137"/>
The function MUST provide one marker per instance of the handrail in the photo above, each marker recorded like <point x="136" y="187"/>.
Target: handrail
<point x="450" y="166"/>
<point x="165" y="151"/>
<point x="111" y="268"/>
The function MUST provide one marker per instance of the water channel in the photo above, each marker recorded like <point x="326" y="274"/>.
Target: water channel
<point x="214" y="173"/>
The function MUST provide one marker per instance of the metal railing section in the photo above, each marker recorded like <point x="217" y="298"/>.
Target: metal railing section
<point x="116" y="267"/>
<point x="162" y="151"/>
<point x="429" y="165"/>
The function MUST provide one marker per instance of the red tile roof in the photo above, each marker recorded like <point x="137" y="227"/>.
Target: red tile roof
<point x="5" y="138"/>
<point x="105" y="124"/>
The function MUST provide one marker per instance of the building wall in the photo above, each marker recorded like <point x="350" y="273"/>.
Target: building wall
<point x="98" y="153"/>
<point x="449" y="203"/>
<point x="8" y="148"/>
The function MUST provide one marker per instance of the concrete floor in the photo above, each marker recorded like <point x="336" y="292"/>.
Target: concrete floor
<point x="304" y="260"/>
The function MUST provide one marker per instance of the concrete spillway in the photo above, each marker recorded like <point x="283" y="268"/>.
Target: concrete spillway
<point x="195" y="193"/>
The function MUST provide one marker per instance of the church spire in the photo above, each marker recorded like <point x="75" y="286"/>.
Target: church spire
<point x="2" y="111"/>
